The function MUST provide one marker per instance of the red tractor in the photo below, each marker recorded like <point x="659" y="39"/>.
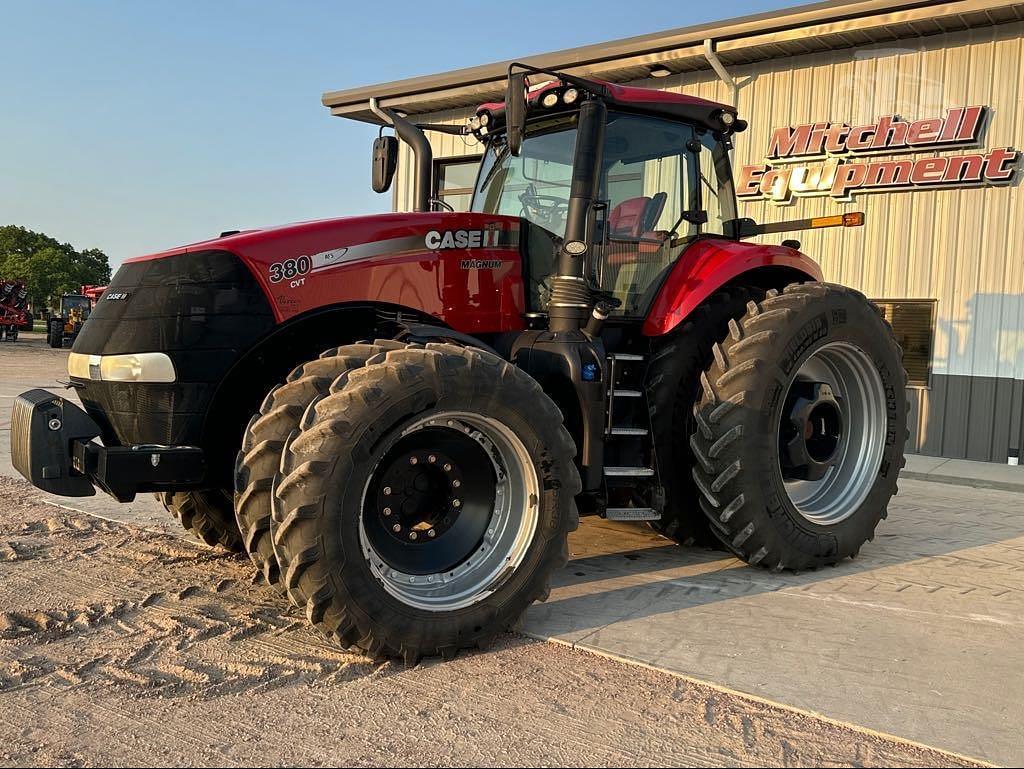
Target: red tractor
<point x="401" y="417"/>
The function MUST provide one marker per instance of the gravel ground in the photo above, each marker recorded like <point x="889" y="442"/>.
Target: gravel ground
<point x="123" y="646"/>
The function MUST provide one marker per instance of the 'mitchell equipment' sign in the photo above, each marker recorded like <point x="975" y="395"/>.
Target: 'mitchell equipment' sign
<point x="845" y="168"/>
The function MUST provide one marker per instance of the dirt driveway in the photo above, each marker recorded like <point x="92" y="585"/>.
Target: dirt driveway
<point x="124" y="646"/>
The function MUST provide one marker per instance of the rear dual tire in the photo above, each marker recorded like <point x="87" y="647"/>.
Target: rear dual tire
<point x="787" y="482"/>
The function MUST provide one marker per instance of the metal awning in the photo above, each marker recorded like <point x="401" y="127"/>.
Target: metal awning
<point x="791" y="32"/>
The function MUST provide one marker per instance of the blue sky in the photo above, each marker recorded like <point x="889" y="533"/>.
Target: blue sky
<point x="136" y="126"/>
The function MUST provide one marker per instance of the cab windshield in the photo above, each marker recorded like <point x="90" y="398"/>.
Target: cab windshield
<point x="657" y="176"/>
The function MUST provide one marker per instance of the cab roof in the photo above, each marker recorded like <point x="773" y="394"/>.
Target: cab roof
<point x="676" y="106"/>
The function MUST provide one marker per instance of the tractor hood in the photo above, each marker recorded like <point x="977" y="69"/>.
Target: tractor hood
<point x="397" y="258"/>
<point x="351" y="229"/>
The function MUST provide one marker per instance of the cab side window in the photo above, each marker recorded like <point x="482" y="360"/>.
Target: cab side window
<point x="649" y="180"/>
<point x="716" y="194"/>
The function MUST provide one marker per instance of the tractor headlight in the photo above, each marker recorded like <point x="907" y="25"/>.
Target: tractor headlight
<point x="149" y="367"/>
<point x="485" y="118"/>
<point x="549" y="100"/>
<point x="726" y="118"/>
<point x="570" y="96"/>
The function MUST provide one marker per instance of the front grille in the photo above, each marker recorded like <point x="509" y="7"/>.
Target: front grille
<point x="130" y="413"/>
<point x="203" y="309"/>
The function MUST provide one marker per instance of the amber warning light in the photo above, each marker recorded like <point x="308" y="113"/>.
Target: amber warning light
<point x="852" y="219"/>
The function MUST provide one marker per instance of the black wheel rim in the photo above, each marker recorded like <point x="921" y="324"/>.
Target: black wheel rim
<point x="477" y="543"/>
<point x="429" y="501"/>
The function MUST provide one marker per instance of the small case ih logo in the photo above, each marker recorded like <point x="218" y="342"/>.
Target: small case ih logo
<point x="842" y="173"/>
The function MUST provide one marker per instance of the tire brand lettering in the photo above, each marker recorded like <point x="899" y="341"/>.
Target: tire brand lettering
<point x="809" y="334"/>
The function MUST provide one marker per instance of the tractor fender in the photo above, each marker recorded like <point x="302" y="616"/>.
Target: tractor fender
<point x="425" y="333"/>
<point x="710" y="263"/>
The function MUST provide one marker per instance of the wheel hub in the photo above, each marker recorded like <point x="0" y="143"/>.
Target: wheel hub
<point x="813" y="432"/>
<point x="831" y="432"/>
<point x="429" y="500"/>
<point x="482" y="511"/>
<point x="419" y="497"/>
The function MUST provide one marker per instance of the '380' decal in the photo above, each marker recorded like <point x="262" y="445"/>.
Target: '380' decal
<point x="290" y="268"/>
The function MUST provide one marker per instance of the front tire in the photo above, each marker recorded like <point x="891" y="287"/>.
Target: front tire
<point x="260" y="456"/>
<point x="207" y="515"/>
<point x="801" y="426"/>
<point x="440" y="439"/>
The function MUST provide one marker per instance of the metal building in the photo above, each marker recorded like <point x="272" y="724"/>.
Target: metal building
<point x="908" y="111"/>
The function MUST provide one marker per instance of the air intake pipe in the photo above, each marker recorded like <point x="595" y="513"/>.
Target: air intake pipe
<point x="570" y="300"/>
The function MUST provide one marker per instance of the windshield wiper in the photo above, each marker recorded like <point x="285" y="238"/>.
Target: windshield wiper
<point x="494" y="169"/>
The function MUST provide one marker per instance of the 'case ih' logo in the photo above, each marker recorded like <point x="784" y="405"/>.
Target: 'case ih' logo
<point x="437" y="241"/>
<point x="842" y="173"/>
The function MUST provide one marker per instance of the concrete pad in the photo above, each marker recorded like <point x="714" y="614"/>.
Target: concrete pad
<point x="919" y="463"/>
<point x="963" y="472"/>
<point x="919" y="637"/>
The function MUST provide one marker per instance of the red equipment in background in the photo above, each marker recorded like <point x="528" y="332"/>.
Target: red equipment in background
<point x="14" y="314"/>
<point x="93" y="292"/>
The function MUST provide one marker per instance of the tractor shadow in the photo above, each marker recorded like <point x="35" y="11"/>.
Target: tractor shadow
<point x="936" y="538"/>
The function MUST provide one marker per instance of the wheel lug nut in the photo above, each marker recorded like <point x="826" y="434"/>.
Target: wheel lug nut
<point x="387" y="491"/>
<point x="431" y="533"/>
<point x="413" y="460"/>
<point x="387" y="511"/>
<point x="396" y="528"/>
<point x="431" y="458"/>
<point x="447" y="467"/>
<point x="412" y="535"/>
<point x="456" y="484"/>
<point x="456" y="503"/>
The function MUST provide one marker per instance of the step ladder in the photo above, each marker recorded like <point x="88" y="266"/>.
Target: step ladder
<point x="632" y="485"/>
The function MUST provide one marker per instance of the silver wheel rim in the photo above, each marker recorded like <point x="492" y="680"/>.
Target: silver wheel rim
<point x="509" y="532"/>
<point x="855" y="380"/>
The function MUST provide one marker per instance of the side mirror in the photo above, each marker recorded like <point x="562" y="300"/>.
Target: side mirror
<point x="742" y="228"/>
<point x="385" y="162"/>
<point x="515" y="112"/>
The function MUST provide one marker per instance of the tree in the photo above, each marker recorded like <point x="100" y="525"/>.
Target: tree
<point x="48" y="267"/>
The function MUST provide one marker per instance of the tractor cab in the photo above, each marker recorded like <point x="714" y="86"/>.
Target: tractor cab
<point x="75" y="307"/>
<point x="662" y="180"/>
<point x="611" y="183"/>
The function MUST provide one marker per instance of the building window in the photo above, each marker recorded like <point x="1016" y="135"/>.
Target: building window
<point x="454" y="181"/>
<point x="913" y="321"/>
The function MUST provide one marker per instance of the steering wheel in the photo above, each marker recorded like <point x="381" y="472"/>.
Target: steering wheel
<point x="546" y="210"/>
